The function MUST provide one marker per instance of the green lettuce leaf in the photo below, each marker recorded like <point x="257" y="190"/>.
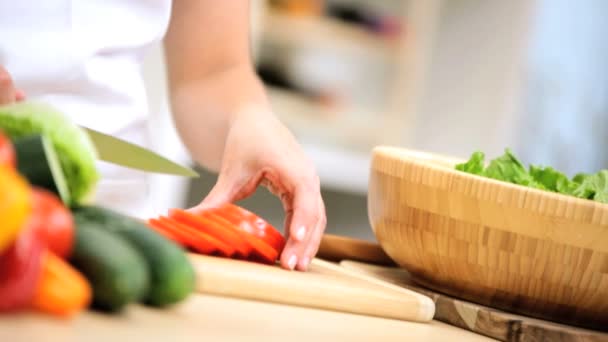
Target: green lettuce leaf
<point x="593" y="187"/>
<point x="552" y="179"/>
<point x="474" y="165"/>
<point x="509" y="169"/>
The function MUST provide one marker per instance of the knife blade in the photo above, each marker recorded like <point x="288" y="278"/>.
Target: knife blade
<point x="117" y="151"/>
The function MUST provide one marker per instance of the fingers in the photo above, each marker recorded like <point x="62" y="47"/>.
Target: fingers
<point x="19" y="95"/>
<point x="7" y="90"/>
<point x="8" y="93"/>
<point x="312" y="245"/>
<point x="305" y="228"/>
<point x="231" y="186"/>
<point x="221" y="193"/>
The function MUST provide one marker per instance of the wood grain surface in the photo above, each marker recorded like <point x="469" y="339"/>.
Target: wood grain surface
<point x="319" y="287"/>
<point x="215" y="318"/>
<point x="481" y="319"/>
<point x="523" y="250"/>
<point x="336" y="248"/>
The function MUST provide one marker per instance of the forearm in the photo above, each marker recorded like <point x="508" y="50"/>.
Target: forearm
<point x="203" y="108"/>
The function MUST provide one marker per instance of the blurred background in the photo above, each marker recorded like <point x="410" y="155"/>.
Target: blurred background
<point x="445" y="76"/>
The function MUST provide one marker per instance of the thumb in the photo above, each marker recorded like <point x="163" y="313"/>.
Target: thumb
<point x="228" y="188"/>
<point x="220" y="194"/>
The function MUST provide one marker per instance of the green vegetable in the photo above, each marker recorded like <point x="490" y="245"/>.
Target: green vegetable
<point x="76" y="152"/>
<point x="509" y="169"/>
<point x="475" y="165"/>
<point x="552" y="179"/>
<point x="117" y="272"/>
<point x="41" y="166"/>
<point x="172" y="275"/>
<point x="593" y="187"/>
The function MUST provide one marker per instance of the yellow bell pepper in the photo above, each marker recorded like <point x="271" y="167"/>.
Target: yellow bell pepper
<point x="15" y="205"/>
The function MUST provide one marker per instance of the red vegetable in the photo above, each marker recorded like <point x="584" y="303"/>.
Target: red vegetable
<point x="226" y="234"/>
<point x="261" y="251"/>
<point x="53" y="222"/>
<point x="229" y="231"/>
<point x="252" y="224"/>
<point x="62" y="290"/>
<point x="7" y="152"/>
<point x="191" y="238"/>
<point x="20" y="270"/>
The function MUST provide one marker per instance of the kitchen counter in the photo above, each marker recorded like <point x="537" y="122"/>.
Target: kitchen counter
<point x="225" y="319"/>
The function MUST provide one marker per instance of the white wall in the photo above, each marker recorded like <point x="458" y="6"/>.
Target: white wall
<point x="472" y="87"/>
<point x="565" y="120"/>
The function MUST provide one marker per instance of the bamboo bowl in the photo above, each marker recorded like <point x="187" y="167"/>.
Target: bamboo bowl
<point x="506" y="246"/>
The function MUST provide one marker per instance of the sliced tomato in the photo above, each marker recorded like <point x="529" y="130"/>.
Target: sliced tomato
<point x="158" y="227"/>
<point x="53" y="222"/>
<point x="226" y="234"/>
<point x="261" y="250"/>
<point x="7" y="152"/>
<point x="191" y="241"/>
<point x="253" y="224"/>
<point x="20" y="270"/>
<point x="216" y="246"/>
<point x="194" y="239"/>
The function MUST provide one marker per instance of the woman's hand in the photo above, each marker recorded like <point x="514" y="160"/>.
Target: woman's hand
<point x="223" y="116"/>
<point x="260" y="150"/>
<point x="8" y="92"/>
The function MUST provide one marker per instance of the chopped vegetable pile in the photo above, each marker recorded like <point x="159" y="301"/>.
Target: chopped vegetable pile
<point x="228" y="231"/>
<point x="509" y="169"/>
<point x="62" y="258"/>
<point x="60" y="254"/>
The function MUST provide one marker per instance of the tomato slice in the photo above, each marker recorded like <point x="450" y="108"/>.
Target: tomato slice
<point x="7" y="152"/>
<point x="217" y="245"/>
<point x="195" y="239"/>
<point x="253" y="224"/>
<point x="20" y="270"/>
<point x="159" y="227"/>
<point x="261" y="250"/>
<point x="226" y="234"/>
<point x="53" y="222"/>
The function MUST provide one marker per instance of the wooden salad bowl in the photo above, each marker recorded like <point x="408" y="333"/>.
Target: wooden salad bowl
<point x="511" y="247"/>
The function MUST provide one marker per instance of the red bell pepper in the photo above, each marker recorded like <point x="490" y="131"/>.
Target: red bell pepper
<point x="20" y="270"/>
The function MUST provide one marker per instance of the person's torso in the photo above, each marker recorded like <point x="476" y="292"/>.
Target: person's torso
<point x="82" y="56"/>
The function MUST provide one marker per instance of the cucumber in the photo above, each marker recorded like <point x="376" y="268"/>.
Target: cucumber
<point x="117" y="272"/>
<point x="172" y="275"/>
<point x="38" y="162"/>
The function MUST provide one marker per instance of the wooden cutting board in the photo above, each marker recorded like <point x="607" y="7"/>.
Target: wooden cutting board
<point x="323" y="286"/>
<point x="478" y="318"/>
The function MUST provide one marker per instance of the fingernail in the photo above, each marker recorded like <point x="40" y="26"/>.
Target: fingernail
<point x="301" y="233"/>
<point x="293" y="260"/>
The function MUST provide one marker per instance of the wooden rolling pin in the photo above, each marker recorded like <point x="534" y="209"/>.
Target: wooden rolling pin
<point x="318" y="288"/>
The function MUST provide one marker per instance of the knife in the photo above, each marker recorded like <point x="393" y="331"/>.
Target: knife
<point x="124" y="153"/>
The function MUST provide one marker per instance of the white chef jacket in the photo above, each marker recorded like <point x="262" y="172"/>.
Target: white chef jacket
<point x="83" y="57"/>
